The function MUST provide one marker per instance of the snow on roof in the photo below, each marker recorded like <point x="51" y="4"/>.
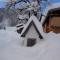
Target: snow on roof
<point x="20" y="24"/>
<point x="20" y="27"/>
<point x="50" y="7"/>
<point x="36" y="22"/>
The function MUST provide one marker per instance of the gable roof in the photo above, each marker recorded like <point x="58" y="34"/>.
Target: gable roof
<point x="49" y="8"/>
<point x="37" y="24"/>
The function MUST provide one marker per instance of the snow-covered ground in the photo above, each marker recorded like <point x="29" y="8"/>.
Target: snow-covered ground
<point x="11" y="49"/>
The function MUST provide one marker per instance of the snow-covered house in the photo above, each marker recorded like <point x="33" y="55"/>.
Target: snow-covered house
<point x="51" y="18"/>
<point x="32" y="32"/>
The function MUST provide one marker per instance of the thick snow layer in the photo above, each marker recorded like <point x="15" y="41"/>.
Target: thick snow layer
<point x="10" y="48"/>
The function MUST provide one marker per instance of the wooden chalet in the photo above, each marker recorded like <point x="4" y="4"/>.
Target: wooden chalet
<point x="51" y="19"/>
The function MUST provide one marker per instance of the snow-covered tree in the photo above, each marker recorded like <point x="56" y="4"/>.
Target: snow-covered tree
<point x="35" y="5"/>
<point x="29" y="7"/>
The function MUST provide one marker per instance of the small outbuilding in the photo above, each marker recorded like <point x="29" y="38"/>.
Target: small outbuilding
<point x="32" y="32"/>
<point x="51" y="19"/>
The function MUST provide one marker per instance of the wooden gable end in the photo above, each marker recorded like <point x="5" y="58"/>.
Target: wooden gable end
<point x="52" y="22"/>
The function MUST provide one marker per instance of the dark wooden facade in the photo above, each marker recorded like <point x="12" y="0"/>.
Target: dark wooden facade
<point x="52" y="21"/>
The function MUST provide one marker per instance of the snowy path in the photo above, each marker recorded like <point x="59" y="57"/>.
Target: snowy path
<point x="10" y="48"/>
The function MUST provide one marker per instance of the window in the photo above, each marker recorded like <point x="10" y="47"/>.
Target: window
<point x="31" y="42"/>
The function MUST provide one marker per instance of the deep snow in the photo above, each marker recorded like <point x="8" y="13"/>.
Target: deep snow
<point x="11" y="49"/>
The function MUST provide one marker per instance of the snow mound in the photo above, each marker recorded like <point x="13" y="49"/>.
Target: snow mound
<point x="10" y="49"/>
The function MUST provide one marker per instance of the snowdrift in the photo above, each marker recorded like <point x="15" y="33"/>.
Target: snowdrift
<point x="10" y="48"/>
